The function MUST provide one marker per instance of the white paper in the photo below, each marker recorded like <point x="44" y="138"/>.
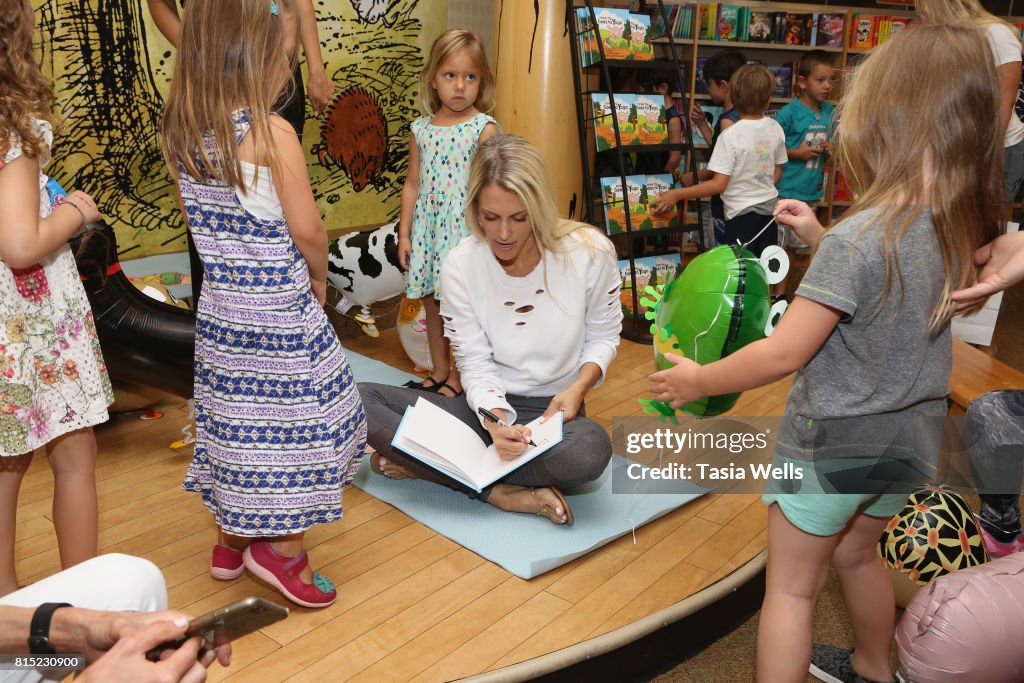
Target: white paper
<point x="440" y="439"/>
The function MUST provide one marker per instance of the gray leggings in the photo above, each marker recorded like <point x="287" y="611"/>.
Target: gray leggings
<point x="581" y="456"/>
<point x="995" y="437"/>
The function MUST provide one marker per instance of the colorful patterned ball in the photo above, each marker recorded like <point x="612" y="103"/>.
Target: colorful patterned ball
<point x="934" y="534"/>
<point x="719" y="304"/>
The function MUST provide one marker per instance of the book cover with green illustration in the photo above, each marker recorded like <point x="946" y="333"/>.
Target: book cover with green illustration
<point x="640" y="46"/>
<point x="613" y="25"/>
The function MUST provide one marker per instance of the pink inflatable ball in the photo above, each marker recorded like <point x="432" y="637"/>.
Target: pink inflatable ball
<point x="967" y="626"/>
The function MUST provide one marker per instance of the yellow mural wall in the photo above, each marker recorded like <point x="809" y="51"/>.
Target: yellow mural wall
<point x="111" y="70"/>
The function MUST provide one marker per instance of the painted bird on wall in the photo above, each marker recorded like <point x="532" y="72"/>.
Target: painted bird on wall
<point x="355" y="136"/>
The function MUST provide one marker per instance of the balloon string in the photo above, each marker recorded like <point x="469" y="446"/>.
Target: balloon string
<point x="754" y="238"/>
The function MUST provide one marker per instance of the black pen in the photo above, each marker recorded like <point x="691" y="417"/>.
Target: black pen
<point x="488" y="415"/>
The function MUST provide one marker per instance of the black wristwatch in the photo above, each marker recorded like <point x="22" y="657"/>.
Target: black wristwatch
<point x="39" y="629"/>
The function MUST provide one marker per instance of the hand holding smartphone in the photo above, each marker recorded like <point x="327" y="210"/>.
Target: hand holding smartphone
<point x="227" y="624"/>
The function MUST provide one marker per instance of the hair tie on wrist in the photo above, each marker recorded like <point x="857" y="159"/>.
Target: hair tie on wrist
<point x="75" y="207"/>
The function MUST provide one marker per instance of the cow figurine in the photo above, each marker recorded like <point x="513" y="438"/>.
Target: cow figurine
<point x="364" y="268"/>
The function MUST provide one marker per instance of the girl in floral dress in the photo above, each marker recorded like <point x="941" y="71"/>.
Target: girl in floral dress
<point x="53" y="383"/>
<point x="457" y="89"/>
<point x="280" y="427"/>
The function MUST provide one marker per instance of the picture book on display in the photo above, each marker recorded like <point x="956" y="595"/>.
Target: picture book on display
<point x="613" y="25"/>
<point x="641" y="120"/>
<point x="798" y="29"/>
<point x="640" y="46"/>
<point x="760" y="27"/>
<point x="623" y="35"/>
<point x="830" y="30"/>
<point x="640" y="191"/>
<point x="648" y="270"/>
<point x="442" y="441"/>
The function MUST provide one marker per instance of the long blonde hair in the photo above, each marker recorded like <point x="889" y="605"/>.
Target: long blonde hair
<point x="231" y="55"/>
<point x="25" y="94"/>
<point x="513" y="164"/>
<point x="447" y="44"/>
<point x="958" y="12"/>
<point x="919" y="122"/>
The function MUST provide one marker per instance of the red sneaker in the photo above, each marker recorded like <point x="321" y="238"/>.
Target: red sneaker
<point x="282" y="572"/>
<point x="226" y="563"/>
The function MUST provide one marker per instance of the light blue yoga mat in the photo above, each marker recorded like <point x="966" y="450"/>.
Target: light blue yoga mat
<point x="525" y="545"/>
<point x="369" y="370"/>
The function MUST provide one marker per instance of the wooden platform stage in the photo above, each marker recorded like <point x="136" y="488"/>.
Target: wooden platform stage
<point x="413" y="605"/>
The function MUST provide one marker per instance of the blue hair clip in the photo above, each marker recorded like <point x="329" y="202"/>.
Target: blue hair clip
<point x="273" y="8"/>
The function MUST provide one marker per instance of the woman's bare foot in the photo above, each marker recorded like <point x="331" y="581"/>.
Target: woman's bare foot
<point x="391" y="470"/>
<point x="544" y="502"/>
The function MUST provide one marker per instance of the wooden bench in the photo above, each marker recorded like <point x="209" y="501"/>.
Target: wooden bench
<point x="975" y="373"/>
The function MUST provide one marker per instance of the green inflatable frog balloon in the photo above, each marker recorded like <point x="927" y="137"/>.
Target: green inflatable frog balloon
<point x="719" y="304"/>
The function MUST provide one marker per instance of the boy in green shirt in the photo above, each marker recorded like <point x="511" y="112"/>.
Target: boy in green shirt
<point x="807" y="123"/>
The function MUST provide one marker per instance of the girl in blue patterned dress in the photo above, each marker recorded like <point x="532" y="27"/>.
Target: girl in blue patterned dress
<point x="280" y="428"/>
<point x="457" y="89"/>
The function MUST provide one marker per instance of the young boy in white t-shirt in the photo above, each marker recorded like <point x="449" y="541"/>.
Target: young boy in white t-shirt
<point x="746" y="163"/>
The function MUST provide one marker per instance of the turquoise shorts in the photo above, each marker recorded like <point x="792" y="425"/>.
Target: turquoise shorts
<point x="813" y="504"/>
<point x="841" y="467"/>
<point x="826" y="514"/>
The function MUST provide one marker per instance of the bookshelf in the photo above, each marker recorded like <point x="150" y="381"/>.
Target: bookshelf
<point x="821" y="30"/>
<point x="682" y="35"/>
<point x="620" y="125"/>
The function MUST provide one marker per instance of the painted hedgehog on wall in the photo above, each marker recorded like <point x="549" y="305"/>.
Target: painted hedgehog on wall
<point x="355" y="137"/>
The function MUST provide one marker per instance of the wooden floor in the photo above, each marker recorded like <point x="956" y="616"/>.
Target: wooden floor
<point x="412" y="605"/>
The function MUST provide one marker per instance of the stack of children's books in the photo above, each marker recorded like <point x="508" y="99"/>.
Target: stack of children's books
<point x="679" y="22"/>
<point x="641" y="120"/>
<point x="635" y="200"/>
<point x="739" y="23"/>
<point x="867" y="31"/>
<point x="620" y="33"/>
<point x="648" y="270"/>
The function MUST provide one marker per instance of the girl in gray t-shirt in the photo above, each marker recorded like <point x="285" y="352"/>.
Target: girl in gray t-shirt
<point x="868" y="337"/>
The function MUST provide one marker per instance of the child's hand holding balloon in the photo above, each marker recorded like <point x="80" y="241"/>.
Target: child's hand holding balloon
<point x="677" y="385"/>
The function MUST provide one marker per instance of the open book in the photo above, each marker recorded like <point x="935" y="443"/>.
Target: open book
<point x="437" y="438"/>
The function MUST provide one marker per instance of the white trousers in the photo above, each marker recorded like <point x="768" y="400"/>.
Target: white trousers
<point x="114" y="582"/>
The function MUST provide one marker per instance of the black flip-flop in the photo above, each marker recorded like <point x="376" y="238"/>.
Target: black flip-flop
<point x="413" y="384"/>
<point x="455" y="394"/>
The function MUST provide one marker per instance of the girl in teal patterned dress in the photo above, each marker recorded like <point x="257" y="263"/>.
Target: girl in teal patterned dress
<point x="457" y="88"/>
<point x="53" y="383"/>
